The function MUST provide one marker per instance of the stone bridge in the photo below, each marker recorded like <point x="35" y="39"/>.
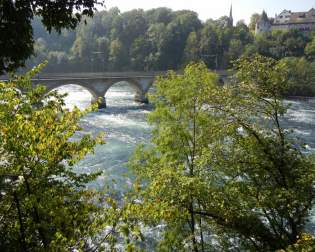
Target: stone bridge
<point x="98" y="83"/>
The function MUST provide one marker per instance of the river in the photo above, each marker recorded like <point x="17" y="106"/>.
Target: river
<point x="125" y="126"/>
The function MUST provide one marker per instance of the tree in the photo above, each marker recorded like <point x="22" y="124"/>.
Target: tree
<point x="139" y="51"/>
<point x="156" y="36"/>
<point x="242" y="32"/>
<point x="263" y="181"/>
<point x="301" y="76"/>
<point x="222" y="173"/>
<point x="192" y="48"/>
<point x="279" y="44"/>
<point x="44" y="203"/>
<point x="310" y="49"/>
<point x="160" y="15"/>
<point x="177" y="33"/>
<point x="235" y="50"/>
<point x="16" y="30"/>
<point x="172" y="167"/>
<point x="170" y="40"/>
<point x="117" y="54"/>
<point x="253" y="21"/>
<point x="209" y="45"/>
<point x="133" y="25"/>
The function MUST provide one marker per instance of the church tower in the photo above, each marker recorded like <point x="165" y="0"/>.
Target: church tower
<point x="263" y="24"/>
<point x="231" y="17"/>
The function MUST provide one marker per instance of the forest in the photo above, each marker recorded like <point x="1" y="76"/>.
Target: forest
<point x="160" y="39"/>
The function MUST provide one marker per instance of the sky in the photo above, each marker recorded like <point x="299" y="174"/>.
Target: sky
<point x="242" y="9"/>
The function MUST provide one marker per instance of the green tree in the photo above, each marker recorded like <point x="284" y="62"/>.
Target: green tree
<point x="306" y="243"/>
<point x="16" y="30"/>
<point x="279" y="44"/>
<point x="209" y="45"/>
<point x="192" y="48"/>
<point x="301" y="76"/>
<point x="160" y="15"/>
<point x="253" y="21"/>
<point x="263" y="182"/>
<point x="139" y="52"/>
<point x="235" y="50"/>
<point x="310" y="49"/>
<point x="44" y="203"/>
<point x="176" y="34"/>
<point x="156" y="37"/>
<point x="172" y="167"/>
<point x="223" y="174"/>
<point x="117" y="55"/>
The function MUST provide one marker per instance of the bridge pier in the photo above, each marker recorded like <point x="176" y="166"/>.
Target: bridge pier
<point x="142" y="98"/>
<point x="100" y="100"/>
<point x="102" y="104"/>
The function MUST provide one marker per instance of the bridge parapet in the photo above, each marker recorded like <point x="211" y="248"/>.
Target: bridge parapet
<point x="98" y="83"/>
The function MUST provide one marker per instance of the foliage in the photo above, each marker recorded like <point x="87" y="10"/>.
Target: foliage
<point x="44" y="203"/>
<point x="305" y="243"/>
<point x="253" y="21"/>
<point x="161" y="39"/>
<point x="222" y="173"/>
<point x="16" y="41"/>
<point x="156" y="39"/>
<point x="310" y="49"/>
<point x="279" y="44"/>
<point x="180" y="134"/>
<point x="301" y="77"/>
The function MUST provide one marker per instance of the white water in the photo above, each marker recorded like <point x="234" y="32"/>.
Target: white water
<point x="125" y="126"/>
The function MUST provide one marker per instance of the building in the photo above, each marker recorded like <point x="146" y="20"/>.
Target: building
<point x="263" y="24"/>
<point x="287" y="20"/>
<point x="231" y="17"/>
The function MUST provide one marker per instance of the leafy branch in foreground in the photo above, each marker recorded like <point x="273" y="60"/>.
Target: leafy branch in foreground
<point x="44" y="204"/>
<point x="222" y="172"/>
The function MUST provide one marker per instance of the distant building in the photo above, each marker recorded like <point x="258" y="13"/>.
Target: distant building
<point x="231" y="17"/>
<point x="287" y="20"/>
<point x="263" y="24"/>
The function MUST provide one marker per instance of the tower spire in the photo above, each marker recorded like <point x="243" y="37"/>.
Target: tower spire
<point x="231" y="15"/>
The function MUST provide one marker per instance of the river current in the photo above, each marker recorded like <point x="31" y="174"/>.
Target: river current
<point x="125" y="126"/>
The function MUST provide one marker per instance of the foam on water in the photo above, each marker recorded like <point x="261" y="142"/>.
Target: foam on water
<point x="76" y="96"/>
<point x="301" y="118"/>
<point x="125" y="126"/>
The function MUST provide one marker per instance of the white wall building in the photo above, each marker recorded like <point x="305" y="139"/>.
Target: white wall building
<point x="287" y="20"/>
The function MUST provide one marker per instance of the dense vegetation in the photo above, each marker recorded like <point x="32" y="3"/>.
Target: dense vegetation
<point x="16" y="41"/>
<point x="160" y="39"/>
<point x="223" y="174"/>
<point x="45" y="204"/>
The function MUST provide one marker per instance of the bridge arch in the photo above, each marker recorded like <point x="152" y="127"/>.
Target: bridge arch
<point x="97" y="85"/>
<point x="59" y="85"/>
<point x="140" y="94"/>
<point x="96" y="95"/>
